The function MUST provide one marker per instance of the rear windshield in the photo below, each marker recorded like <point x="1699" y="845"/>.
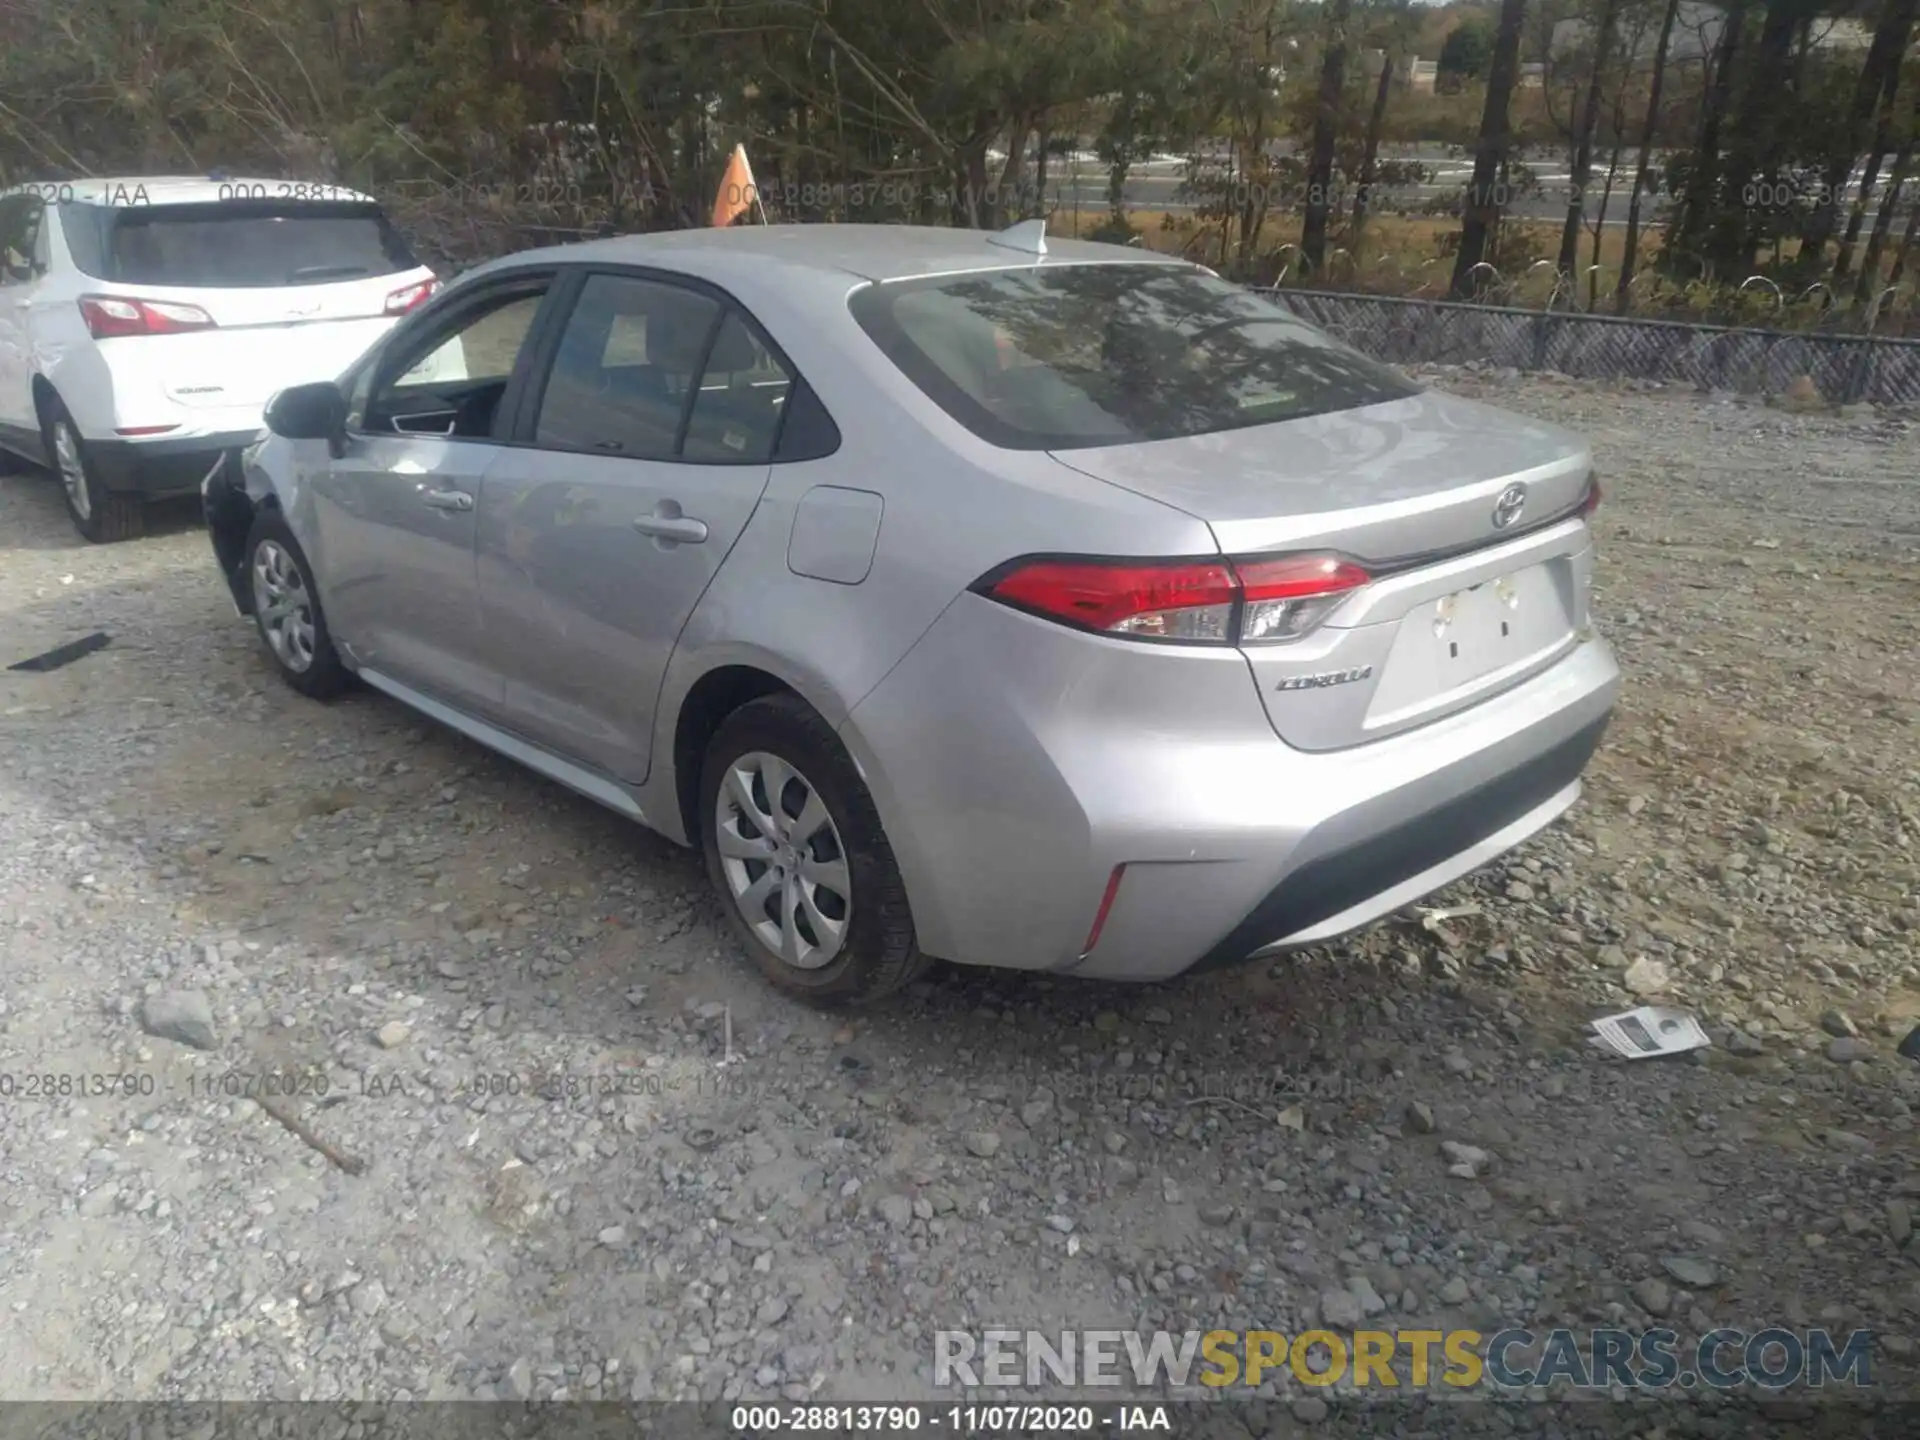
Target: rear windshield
<point x="1064" y="357"/>
<point x="238" y="244"/>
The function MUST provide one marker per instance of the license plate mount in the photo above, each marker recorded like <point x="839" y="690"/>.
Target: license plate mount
<point x="1480" y="628"/>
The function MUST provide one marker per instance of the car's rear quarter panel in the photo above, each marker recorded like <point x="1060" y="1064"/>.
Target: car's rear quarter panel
<point x="1027" y="760"/>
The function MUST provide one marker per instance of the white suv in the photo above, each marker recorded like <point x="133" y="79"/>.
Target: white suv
<point x="145" y="323"/>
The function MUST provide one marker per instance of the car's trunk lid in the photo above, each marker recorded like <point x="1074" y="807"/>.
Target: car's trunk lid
<point x="1387" y="481"/>
<point x="1464" y="604"/>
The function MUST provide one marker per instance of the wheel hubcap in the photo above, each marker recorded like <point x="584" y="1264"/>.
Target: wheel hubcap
<point x="281" y="602"/>
<point x="66" y="456"/>
<point x="784" y="864"/>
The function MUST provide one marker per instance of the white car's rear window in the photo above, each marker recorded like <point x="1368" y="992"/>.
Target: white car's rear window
<point x="1061" y="357"/>
<point x="236" y="244"/>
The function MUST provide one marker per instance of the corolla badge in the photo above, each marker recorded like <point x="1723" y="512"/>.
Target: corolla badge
<point x="1324" y="679"/>
<point x="1507" y="508"/>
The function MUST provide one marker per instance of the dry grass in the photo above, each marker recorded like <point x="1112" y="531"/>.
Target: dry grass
<point x="1401" y="255"/>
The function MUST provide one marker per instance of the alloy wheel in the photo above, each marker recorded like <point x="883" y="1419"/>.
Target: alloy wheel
<point x="281" y="601"/>
<point x="73" y="475"/>
<point x="783" y="860"/>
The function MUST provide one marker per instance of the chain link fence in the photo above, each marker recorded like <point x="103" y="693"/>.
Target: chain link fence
<point x="1846" y="369"/>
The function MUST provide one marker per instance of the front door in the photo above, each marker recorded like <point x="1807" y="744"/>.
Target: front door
<point x="646" y="447"/>
<point x="21" y="216"/>
<point x="397" y="514"/>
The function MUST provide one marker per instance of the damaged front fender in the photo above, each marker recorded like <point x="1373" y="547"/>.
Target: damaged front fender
<point x="269" y="474"/>
<point x="228" y="510"/>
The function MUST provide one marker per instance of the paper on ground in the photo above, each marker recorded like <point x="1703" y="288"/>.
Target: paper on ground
<point x="1650" y="1030"/>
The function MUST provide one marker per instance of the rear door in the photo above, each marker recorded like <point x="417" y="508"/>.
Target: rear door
<point x="641" y="454"/>
<point x="293" y="291"/>
<point x="395" y="516"/>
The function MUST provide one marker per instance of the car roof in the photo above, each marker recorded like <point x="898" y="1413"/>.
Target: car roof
<point x="829" y="251"/>
<point x="187" y="190"/>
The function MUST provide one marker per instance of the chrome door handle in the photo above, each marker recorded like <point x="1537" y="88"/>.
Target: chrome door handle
<point x="447" y="499"/>
<point x="683" y="528"/>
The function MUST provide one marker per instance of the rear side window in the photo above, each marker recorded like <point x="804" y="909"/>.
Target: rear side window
<point x="1062" y="357"/>
<point x="239" y="244"/>
<point x="736" y="413"/>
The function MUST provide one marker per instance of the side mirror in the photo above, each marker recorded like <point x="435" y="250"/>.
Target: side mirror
<point x="309" y="412"/>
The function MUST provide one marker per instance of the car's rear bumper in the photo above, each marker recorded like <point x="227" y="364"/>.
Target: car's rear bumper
<point x="1017" y="765"/>
<point x="165" y="466"/>
<point x="1342" y="891"/>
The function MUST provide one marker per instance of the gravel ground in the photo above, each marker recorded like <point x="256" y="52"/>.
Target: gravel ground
<point x="347" y="892"/>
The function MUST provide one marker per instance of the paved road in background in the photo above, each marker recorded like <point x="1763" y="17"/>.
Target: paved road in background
<point x="1157" y="185"/>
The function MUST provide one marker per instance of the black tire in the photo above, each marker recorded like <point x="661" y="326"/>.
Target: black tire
<point x="878" y="954"/>
<point x="324" y="675"/>
<point x="105" y="517"/>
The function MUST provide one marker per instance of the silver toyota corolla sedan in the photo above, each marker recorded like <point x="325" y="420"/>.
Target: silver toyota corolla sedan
<point x="1037" y="604"/>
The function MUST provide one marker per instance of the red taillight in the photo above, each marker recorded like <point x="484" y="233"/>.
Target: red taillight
<point x="1199" y="602"/>
<point x="111" y="316"/>
<point x="1153" y="602"/>
<point x="1289" y="596"/>
<point x="1591" y="501"/>
<point x="411" y="297"/>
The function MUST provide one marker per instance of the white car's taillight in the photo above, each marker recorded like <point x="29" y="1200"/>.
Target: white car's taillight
<point x="1257" y="601"/>
<point x="112" y="316"/>
<point x="411" y="297"/>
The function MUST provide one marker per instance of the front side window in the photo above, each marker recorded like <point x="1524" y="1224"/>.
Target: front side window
<point x="485" y="347"/>
<point x="358" y="385"/>
<point x="19" y="236"/>
<point x="1061" y="357"/>
<point x="450" y="381"/>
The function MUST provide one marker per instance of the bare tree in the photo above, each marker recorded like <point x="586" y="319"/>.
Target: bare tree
<point x="1883" y="221"/>
<point x="1701" y="199"/>
<point x="1582" y="168"/>
<point x="1485" y="197"/>
<point x="1621" y="294"/>
<point x="1873" y="94"/>
<point x="1326" y="131"/>
<point x="1370" y="146"/>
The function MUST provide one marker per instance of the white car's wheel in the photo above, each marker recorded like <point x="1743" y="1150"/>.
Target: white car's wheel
<point x="100" y="515"/>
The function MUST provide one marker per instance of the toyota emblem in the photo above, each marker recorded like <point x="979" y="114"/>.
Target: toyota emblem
<point x="1507" y="508"/>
